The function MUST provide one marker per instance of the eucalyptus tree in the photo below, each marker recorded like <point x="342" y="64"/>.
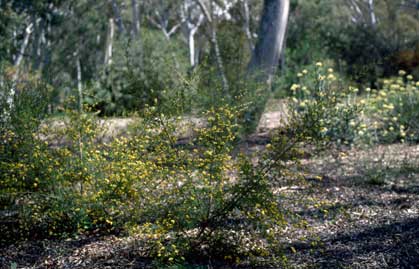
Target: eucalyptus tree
<point x="23" y="24"/>
<point x="362" y="11"/>
<point x="135" y="9"/>
<point x="214" y="11"/>
<point x="78" y="44"/>
<point x="193" y="17"/>
<point x="271" y="39"/>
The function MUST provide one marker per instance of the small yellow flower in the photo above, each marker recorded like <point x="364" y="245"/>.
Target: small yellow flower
<point x="319" y="64"/>
<point x="402" y="73"/>
<point x="305" y="71"/>
<point x="383" y="93"/>
<point x="331" y="77"/>
<point x="409" y="77"/>
<point x="295" y="87"/>
<point x="299" y="75"/>
<point x="330" y="70"/>
<point x="395" y="87"/>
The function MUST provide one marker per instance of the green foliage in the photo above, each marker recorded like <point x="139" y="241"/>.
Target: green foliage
<point x="184" y="202"/>
<point x="327" y="111"/>
<point x="363" y="61"/>
<point x="21" y="115"/>
<point x="338" y="114"/>
<point x="139" y="75"/>
<point x="393" y="110"/>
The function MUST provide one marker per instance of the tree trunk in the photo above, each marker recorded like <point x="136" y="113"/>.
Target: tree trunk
<point x="372" y="13"/>
<point x="271" y="39"/>
<point x="219" y="60"/>
<point x="5" y="114"/>
<point x="79" y="82"/>
<point x="247" y="24"/>
<point x="214" y="43"/>
<point x="118" y="17"/>
<point x="109" y="42"/>
<point x="37" y="44"/>
<point x="193" y="29"/>
<point x="19" y="56"/>
<point x="135" y="18"/>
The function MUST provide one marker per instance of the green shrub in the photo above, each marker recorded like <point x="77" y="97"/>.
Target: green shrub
<point x="139" y="75"/>
<point x="393" y="110"/>
<point x="184" y="202"/>
<point x="327" y="111"/>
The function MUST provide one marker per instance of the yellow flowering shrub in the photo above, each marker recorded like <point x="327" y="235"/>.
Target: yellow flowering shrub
<point x="393" y="110"/>
<point x="184" y="200"/>
<point x="327" y="111"/>
<point x="345" y="115"/>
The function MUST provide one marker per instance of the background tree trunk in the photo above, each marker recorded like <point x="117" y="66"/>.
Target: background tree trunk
<point x="247" y="24"/>
<point x="372" y="13"/>
<point x="79" y="82"/>
<point x="118" y="17"/>
<point x="135" y="18"/>
<point x="214" y="42"/>
<point x="271" y="39"/>
<point x="109" y="42"/>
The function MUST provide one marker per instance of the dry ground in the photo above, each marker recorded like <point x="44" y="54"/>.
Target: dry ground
<point x="364" y="211"/>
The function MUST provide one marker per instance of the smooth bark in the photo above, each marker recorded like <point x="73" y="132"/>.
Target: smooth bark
<point x="79" y="82"/>
<point x="371" y="10"/>
<point x="193" y="29"/>
<point x="24" y="45"/>
<point x="271" y="39"/>
<point x="247" y="24"/>
<point x="109" y="42"/>
<point x="135" y="18"/>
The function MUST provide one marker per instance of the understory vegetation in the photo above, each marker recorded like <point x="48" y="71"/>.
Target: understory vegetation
<point x="185" y="201"/>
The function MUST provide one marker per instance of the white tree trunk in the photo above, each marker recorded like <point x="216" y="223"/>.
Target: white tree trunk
<point x="79" y="82"/>
<point x="109" y="42"/>
<point x="372" y="13"/>
<point x="193" y="29"/>
<point x="19" y="56"/>
<point x="214" y="43"/>
<point x="16" y="63"/>
<point x="247" y="24"/>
